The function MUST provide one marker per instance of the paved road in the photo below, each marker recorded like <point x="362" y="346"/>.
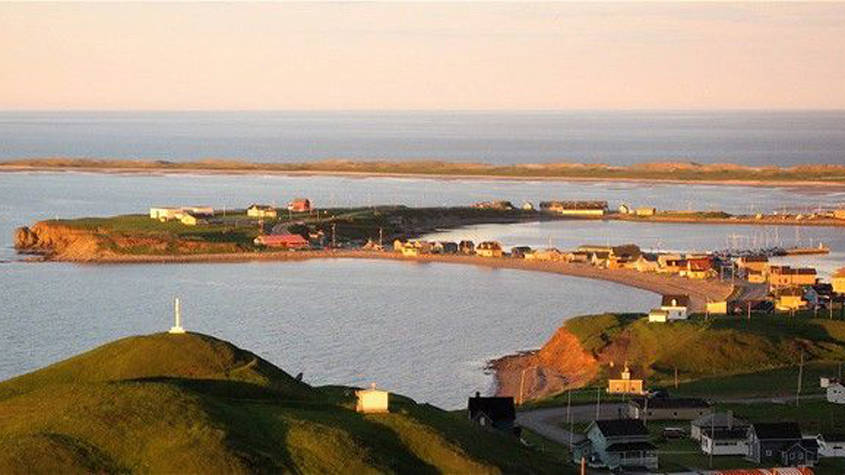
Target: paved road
<point x="549" y="422"/>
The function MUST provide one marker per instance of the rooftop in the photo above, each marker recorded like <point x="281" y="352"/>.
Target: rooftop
<point x="777" y="430"/>
<point x="671" y="403"/>
<point x="621" y="427"/>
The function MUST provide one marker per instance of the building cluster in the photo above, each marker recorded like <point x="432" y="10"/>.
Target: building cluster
<point x="187" y="215"/>
<point x="279" y="237"/>
<point x="625" y="443"/>
<point x="793" y="288"/>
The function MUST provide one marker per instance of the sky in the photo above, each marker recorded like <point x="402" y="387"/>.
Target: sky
<point x="401" y="56"/>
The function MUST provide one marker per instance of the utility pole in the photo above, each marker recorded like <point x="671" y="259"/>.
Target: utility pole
<point x="749" y="311"/>
<point x="800" y="378"/>
<point x="569" y="417"/>
<point x="334" y="242"/>
<point x="380" y="236"/>
<point x="598" y="402"/>
<point x="676" y="377"/>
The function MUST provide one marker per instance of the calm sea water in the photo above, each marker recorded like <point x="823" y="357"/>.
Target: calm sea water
<point x="424" y="330"/>
<point x="618" y="137"/>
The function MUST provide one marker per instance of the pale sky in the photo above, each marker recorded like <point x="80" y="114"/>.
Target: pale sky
<point x="421" y="56"/>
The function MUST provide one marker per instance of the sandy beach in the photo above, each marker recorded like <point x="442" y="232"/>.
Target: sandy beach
<point x="700" y="291"/>
<point x="16" y="168"/>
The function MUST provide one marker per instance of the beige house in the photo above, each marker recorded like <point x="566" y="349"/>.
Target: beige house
<point x="261" y="211"/>
<point x="664" y="409"/>
<point x="416" y="248"/>
<point x="718" y="308"/>
<point x="190" y="219"/>
<point x="371" y="400"/>
<point x="550" y="254"/>
<point x="838" y="281"/>
<point x="786" y="276"/>
<point x="489" y="249"/>
<point x="575" y="208"/>
<point x="167" y="213"/>
<point x="643" y="264"/>
<point x="791" y="298"/>
<point x="839" y="213"/>
<point x="625" y="385"/>
<point x="645" y="211"/>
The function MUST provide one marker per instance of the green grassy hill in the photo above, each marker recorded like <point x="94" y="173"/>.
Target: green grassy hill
<point x="195" y="404"/>
<point x="702" y="349"/>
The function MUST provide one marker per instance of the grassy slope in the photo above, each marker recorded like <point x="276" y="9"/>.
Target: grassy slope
<point x="138" y="234"/>
<point x="191" y="403"/>
<point x="719" y="347"/>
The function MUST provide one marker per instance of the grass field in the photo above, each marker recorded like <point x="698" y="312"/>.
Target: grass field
<point x="234" y="231"/>
<point x="194" y="404"/>
<point x="716" y="358"/>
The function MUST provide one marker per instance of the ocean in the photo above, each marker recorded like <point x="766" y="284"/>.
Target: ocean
<point x="756" y="138"/>
<point x="423" y="330"/>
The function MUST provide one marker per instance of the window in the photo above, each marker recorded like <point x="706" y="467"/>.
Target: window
<point x="768" y="453"/>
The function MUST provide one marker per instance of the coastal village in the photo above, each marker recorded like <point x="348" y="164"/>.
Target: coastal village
<point x="646" y="421"/>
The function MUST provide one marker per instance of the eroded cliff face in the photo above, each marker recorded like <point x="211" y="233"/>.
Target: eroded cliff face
<point x="561" y="364"/>
<point x="64" y="243"/>
<point x="59" y="242"/>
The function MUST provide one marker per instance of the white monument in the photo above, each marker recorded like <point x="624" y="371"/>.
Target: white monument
<point x="177" y="327"/>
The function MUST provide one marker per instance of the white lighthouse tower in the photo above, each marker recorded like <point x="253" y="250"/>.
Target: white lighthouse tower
<point x="177" y="315"/>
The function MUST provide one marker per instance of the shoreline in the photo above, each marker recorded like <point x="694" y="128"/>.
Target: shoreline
<point x="699" y="291"/>
<point x="152" y="171"/>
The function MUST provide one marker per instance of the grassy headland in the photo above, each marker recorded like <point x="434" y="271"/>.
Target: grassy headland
<point x="679" y="172"/>
<point x="234" y="232"/>
<point x="194" y="404"/>
<point x="719" y="357"/>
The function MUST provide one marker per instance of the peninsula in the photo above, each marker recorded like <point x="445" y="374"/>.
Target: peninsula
<point x="669" y="172"/>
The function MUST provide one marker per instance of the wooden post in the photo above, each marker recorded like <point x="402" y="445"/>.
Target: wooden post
<point x="676" y="377"/>
<point x="749" y="311"/>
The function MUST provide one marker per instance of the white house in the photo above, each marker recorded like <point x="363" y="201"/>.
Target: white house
<point x="371" y="400"/>
<point x="836" y="393"/>
<point x="724" y="441"/>
<point x="676" y="306"/>
<point x="831" y="445"/>
<point x="715" y="421"/>
<point x="657" y="315"/>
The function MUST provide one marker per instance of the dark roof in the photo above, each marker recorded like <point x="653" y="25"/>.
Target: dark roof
<point x="736" y="433"/>
<point x="496" y="408"/>
<point x="823" y="289"/>
<point x="754" y="259"/>
<point x="682" y="300"/>
<point x="626" y="446"/>
<point x="672" y="403"/>
<point x="777" y="430"/>
<point x="810" y="444"/>
<point x="621" y="427"/>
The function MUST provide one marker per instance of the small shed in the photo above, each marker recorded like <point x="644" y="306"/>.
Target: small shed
<point x="371" y="400"/>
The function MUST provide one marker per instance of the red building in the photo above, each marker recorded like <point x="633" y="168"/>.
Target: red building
<point x="300" y="205"/>
<point x="286" y="241"/>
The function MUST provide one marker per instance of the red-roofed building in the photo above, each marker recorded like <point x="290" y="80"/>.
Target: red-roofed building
<point x="286" y="241"/>
<point x="300" y="205"/>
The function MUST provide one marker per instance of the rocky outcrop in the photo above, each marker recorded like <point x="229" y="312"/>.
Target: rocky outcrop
<point x="561" y="364"/>
<point x="55" y="241"/>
